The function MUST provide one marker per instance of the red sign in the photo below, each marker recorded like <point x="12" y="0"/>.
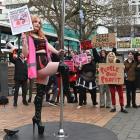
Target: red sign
<point x="86" y="44"/>
<point x="70" y="64"/>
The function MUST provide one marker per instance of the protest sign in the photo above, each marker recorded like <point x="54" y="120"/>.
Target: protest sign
<point x="20" y="20"/>
<point x="80" y="59"/>
<point x="104" y="40"/>
<point x="111" y="73"/>
<point x="70" y="64"/>
<point x="86" y="44"/>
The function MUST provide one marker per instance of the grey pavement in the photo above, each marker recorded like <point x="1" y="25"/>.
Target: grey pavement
<point x="126" y="126"/>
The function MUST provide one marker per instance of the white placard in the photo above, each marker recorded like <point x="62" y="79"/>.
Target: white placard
<point x="20" y="20"/>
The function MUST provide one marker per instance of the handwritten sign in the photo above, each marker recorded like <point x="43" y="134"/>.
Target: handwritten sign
<point x="20" y="20"/>
<point x="104" y="40"/>
<point x="86" y="44"/>
<point x="111" y="73"/>
<point x="80" y="59"/>
<point x="70" y="64"/>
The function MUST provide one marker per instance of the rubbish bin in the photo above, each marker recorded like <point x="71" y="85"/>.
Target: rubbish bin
<point x="3" y="79"/>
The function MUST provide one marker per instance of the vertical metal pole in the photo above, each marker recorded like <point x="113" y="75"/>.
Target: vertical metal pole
<point x="61" y="133"/>
<point x="81" y="17"/>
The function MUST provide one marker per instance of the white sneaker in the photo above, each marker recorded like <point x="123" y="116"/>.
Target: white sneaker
<point x="78" y="107"/>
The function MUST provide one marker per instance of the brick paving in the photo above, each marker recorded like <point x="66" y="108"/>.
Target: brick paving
<point x="11" y="117"/>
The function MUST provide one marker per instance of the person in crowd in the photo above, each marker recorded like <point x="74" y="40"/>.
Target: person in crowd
<point x="20" y="75"/>
<point x="130" y="66"/>
<point x="52" y="81"/>
<point x="86" y="81"/>
<point x="137" y="72"/>
<point x="37" y="50"/>
<point x="111" y="58"/>
<point x="73" y="75"/>
<point x="105" y="99"/>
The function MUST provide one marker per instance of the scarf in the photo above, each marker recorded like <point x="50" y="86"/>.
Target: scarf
<point x="31" y="60"/>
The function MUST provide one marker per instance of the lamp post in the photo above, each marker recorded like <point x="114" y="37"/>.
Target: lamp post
<point x="81" y="20"/>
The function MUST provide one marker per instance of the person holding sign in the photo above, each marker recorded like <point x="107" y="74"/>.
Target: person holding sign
<point x="86" y="81"/>
<point x="37" y="50"/>
<point x="105" y="100"/>
<point x="111" y="58"/>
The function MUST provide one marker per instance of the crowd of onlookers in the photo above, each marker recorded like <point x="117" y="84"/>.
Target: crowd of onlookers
<point x="83" y="80"/>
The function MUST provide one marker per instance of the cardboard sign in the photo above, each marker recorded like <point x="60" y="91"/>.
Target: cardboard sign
<point x="20" y="20"/>
<point x="104" y="40"/>
<point x="70" y="64"/>
<point x="86" y="44"/>
<point x="80" y="59"/>
<point x="111" y="73"/>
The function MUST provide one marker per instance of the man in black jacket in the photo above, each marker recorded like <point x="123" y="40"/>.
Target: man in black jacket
<point x="20" y="76"/>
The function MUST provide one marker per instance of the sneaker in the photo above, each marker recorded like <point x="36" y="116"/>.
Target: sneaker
<point x="78" y="107"/>
<point x="102" y="106"/>
<point x="123" y="110"/>
<point x="107" y="106"/>
<point x="15" y="104"/>
<point x="96" y="103"/>
<point x="127" y="106"/>
<point x="135" y="106"/>
<point x="84" y="103"/>
<point x="29" y="100"/>
<point x="52" y="103"/>
<point x="113" y="110"/>
<point x="25" y="103"/>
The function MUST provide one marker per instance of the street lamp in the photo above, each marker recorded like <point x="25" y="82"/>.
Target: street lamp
<point x="81" y="16"/>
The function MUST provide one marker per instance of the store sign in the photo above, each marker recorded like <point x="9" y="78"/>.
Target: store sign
<point x="124" y="44"/>
<point x="135" y="42"/>
<point x="104" y="40"/>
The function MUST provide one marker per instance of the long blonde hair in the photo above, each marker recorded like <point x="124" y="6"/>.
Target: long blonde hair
<point x="108" y="55"/>
<point x="40" y="32"/>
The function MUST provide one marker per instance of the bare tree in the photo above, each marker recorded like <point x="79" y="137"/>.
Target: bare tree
<point x="108" y="13"/>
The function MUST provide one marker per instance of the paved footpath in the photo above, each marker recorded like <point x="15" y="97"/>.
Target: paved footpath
<point x="126" y="126"/>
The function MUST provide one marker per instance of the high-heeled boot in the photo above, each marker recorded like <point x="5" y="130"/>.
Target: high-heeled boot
<point x="38" y="107"/>
<point x="64" y="71"/>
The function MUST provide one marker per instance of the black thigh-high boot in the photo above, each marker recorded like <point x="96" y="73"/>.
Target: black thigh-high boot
<point x="38" y="107"/>
<point x="64" y="71"/>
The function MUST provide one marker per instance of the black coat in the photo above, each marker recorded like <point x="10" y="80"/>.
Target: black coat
<point x="20" y="68"/>
<point x="137" y="73"/>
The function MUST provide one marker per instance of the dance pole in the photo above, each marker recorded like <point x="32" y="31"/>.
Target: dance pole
<point x="61" y="133"/>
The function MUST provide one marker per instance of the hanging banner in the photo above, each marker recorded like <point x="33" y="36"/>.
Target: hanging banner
<point x="20" y="20"/>
<point x="111" y="73"/>
<point x="135" y="42"/>
<point x="104" y="40"/>
<point x="86" y="44"/>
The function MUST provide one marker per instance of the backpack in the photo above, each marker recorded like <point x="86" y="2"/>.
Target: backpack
<point x="3" y="100"/>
